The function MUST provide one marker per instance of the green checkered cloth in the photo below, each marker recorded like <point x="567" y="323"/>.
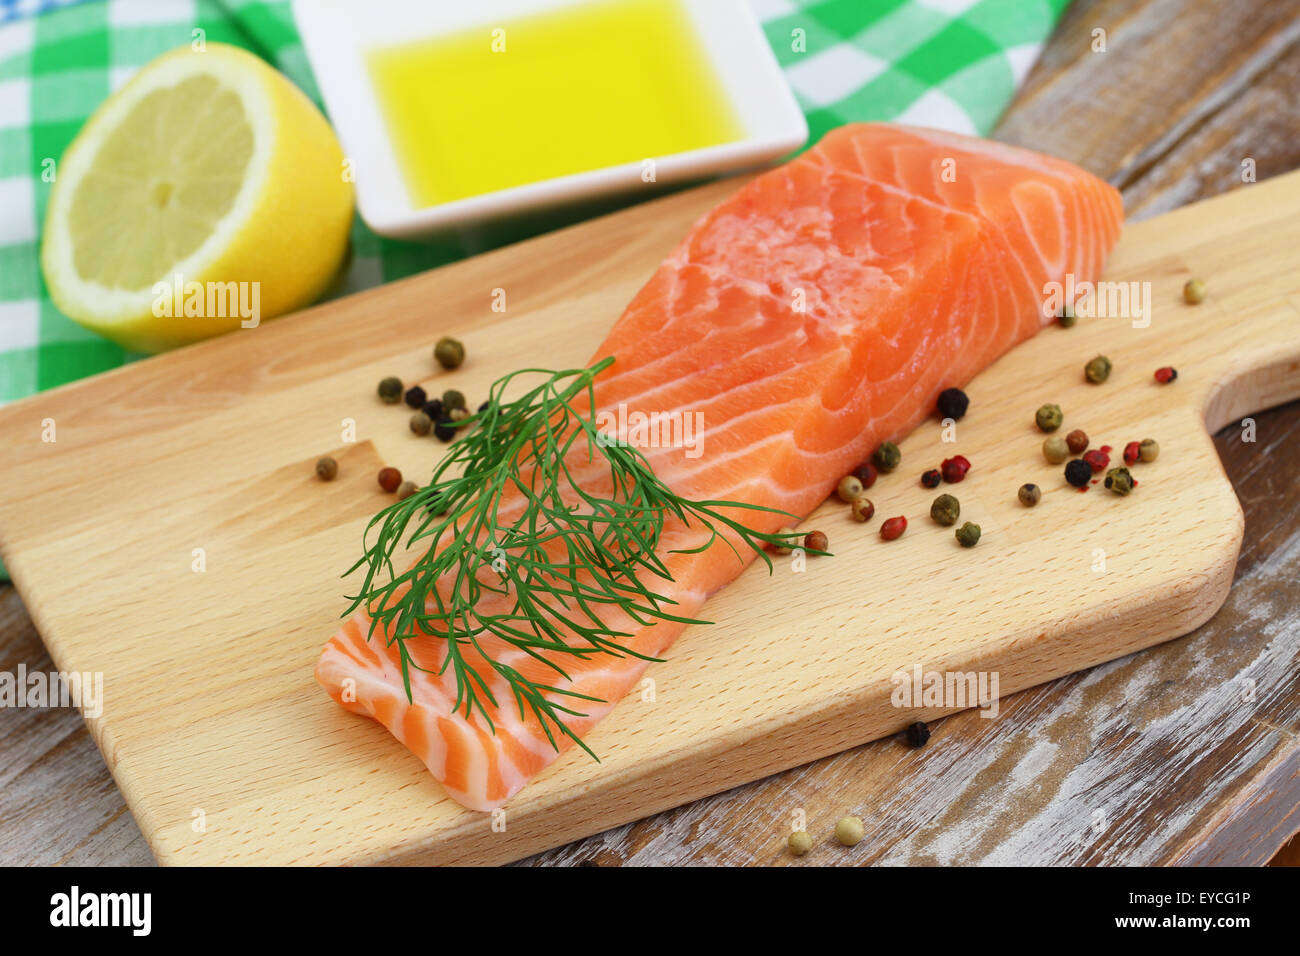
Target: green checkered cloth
<point x="948" y="63"/>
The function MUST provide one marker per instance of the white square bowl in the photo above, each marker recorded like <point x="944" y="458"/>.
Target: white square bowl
<point x="338" y="34"/>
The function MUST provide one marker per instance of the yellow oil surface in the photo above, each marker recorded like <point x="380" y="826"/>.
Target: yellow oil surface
<point x="559" y="92"/>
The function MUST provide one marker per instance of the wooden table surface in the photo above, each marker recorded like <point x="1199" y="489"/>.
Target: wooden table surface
<point x="1186" y="753"/>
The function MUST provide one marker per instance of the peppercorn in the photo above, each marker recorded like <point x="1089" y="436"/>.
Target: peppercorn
<point x="945" y="509"/>
<point x="416" y="397"/>
<point x="954" y="469"/>
<point x="931" y="478"/>
<point x="484" y="407"/>
<point x="1055" y="449"/>
<point x="815" y="541"/>
<point x="1097" y="460"/>
<point x="1149" y="449"/>
<point x="449" y="353"/>
<point x="421" y="423"/>
<point x="886" y="457"/>
<point x="1119" y="480"/>
<point x="390" y="390"/>
<point x="1194" y="292"/>
<point x="434" y="410"/>
<point x="457" y="417"/>
<point x="326" y="468"/>
<point x="1077" y="441"/>
<point x="406" y="489"/>
<point x="862" y="508"/>
<point x="444" y="430"/>
<point x="867" y="474"/>
<point x="1067" y="318"/>
<point x="1166" y="374"/>
<point x="389" y="479"/>
<point x="452" y="399"/>
<point x="787" y="546"/>
<point x="893" y="528"/>
<point x="848" y="489"/>
<point x="1048" y="418"/>
<point x="953" y="403"/>
<point x="1029" y="494"/>
<point x="1132" y="452"/>
<point x="917" y="734"/>
<point x="1078" y="473"/>
<point x="849" y="830"/>
<point x="968" y="535"/>
<point x="800" y="842"/>
<point x="1098" y="370"/>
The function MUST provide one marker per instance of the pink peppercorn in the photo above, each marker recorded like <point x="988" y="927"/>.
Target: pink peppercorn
<point x="954" y="469"/>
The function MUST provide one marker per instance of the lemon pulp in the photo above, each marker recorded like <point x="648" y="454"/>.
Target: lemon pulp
<point x="167" y="174"/>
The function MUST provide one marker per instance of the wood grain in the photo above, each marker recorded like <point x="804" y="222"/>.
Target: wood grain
<point x="1061" y="106"/>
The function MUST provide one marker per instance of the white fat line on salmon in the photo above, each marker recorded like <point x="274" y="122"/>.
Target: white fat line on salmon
<point x="74" y="908"/>
<point x="56" y="689"/>
<point x="946" y="689"/>
<point x="652" y="429"/>
<point x="1099" y="300"/>
<point x="208" y="300"/>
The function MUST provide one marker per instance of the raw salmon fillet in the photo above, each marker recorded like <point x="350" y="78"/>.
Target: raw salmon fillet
<point x="815" y="314"/>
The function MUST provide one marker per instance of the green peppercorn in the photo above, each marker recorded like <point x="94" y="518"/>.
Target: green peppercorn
<point x="449" y="353"/>
<point x="862" y="508"/>
<point x="1194" y="292"/>
<point x="1048" y="418"/>
<point x="849" y="488"/>
<point x="457" y="417"/>
<point x="968" y="535"/>
<point x="1030" y="494"/>
<point x="390" y="390"/>
<point x="789" y="545"/>
<point x="887" y="456"/>
<point x="1056" y="449"/>
<point x="1149" y="449"/>
<point x="800" y="842"/>
<point x="1098" y="370"/>
<point x="849" y="830"/>
<point x="326" y="468"/>
<point x="421" y="423"/>
<point x="945" y="510"/>
<point x="1067" y="318"/>
<point x="1119" y="480"/>
<point x="452" y="399"/>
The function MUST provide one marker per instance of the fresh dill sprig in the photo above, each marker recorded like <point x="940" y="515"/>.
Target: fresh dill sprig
<point x="506" y="516"/>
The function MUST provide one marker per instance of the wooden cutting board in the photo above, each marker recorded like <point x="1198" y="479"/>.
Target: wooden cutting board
<point x="228" y="752"/>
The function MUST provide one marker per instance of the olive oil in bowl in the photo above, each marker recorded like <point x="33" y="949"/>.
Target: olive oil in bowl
<point x="560" y="92"/>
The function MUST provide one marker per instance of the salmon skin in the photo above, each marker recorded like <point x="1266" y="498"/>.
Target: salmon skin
<point x="815" y="314"/>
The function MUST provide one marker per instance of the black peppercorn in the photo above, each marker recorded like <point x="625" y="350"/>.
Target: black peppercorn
<point x="953" y="403"/>
<point x="931" y="478"/>
<point x="445" y="430"/>
<point x="434" y="410"/>
<point x="415" y="396"/>
<point x="1078" y="473"/>
<point x="917" y="734"/>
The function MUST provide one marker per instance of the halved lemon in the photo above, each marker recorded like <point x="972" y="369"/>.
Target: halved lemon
<point x="207" y="189"/>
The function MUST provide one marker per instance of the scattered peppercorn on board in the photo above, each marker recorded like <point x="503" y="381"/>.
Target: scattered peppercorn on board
<point x="175" y="538"/>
